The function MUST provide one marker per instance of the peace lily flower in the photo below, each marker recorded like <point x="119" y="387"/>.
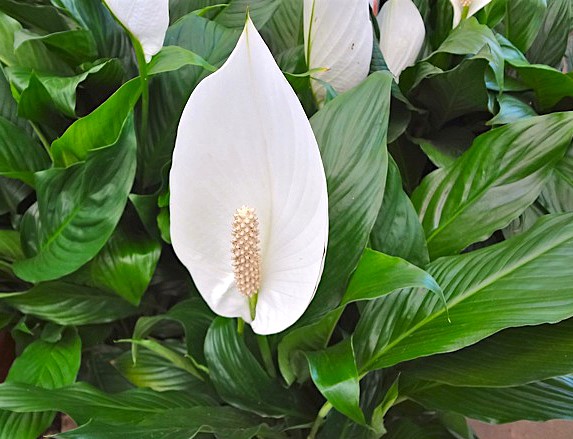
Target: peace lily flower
<point x="249" y="207"/>
<point x="146" y="20"/>
<point x="338" y="39"/>
<point x="402" y="34"/>
<point x="466" y="8"/>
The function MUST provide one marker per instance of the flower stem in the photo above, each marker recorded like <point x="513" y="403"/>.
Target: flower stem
<point x="465" y="12"/>
<point x="324" y="410"/>
<point x="142" y="66"/>
<point x="253" y="304"/>
<point x="42" y="138"/>
<point x="265" y="350"/>
<point x="240" y="326"/>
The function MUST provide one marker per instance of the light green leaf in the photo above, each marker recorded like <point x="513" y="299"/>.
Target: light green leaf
<point x="334" y="372"/>
<point x="525" y="280"/>
<point x="78" y="208"/>
<point x="492" y="183"/>
<point x="173" y="58"/>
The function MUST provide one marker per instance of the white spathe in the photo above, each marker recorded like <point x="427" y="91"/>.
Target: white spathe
<point x="146" y="20"/>
<point x="402" y="34"/>
<point x="337" y="37"/>
<point x="472" y="5"/>
<point x="244" y="140"/>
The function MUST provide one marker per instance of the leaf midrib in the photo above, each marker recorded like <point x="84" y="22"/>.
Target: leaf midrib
<point x="481" y="285"/>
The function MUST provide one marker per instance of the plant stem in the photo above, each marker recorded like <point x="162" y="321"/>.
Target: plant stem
<point x="324" y="410"/>
<point x="240" y="326"/>
<point x="42" y="138"/>
<point x="265" y="350"/>
<point x="142" y="66"/>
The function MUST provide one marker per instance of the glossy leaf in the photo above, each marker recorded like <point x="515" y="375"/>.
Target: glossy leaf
<point x="378" y="274"/>
<point x="492" y="183"/>
<point x="334" y="372"/>
<point x="522" y="281"/>
<point x="540" y="401"/>
<point x="67" y="231"/>
<point x="239" y="378"/>
<point x="351" y="134"/>
<point x="523" y="20"/>
<point x="47" y="365"/>
<point x="20" y="155"/>
<point x="503" y="359"/>
<point x="87" y="134"/>
<point x="550" y="43"/>
<point x="260" y="11"/>
<point x="69" y="304"/>
<point x="397" y="230"/>
<point x="84" y="402"/>
<point x="557" y="195"/>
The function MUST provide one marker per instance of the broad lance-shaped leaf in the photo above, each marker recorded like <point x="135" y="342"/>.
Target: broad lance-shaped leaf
<point x="338" y="38"/>
<point x="492" y="183"/>
<point x="402" y="34"/>
<point x="525" y="280"/>
<point x="263" y="176"/>
<point x="146" y="21"/>
<point x="47" y="365"/>
<point x="351" y="133"/>
<point x="539" y="401"/>
<point x="77" y="210"/>
<point x="503" y="359"/>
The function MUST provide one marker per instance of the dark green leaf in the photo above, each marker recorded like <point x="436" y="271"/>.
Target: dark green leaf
<point x="541" y="401"/>
<point x="334" y="372"/>
<point x="78" y="209"/>
<point x="351" y="134"/>
<point x="523" y="19"/>
<point x="557" y="195"/>
<point x="511" y="109"/>
<point x="551" y="42"/>
<point x="35" y="14"/>
<point x="503" y="359"/>
<point x="239" y="378"/>
<point x="492" y="183"/>
<point x="235" y="14"/>
<point x="69" y="304"/>
<point x="284" y="29"/>
<point x="20" y="155"/>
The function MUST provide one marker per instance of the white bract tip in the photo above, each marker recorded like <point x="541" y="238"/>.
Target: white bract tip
<point x="146" y="20"/>
<point x="402" y="34"/>
<point x="472" y="6"/>
<point x="246" y="158"/>
<point x="338" y="38"/>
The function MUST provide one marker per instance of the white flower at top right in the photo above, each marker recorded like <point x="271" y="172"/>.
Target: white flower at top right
<point x="470" y="6"/>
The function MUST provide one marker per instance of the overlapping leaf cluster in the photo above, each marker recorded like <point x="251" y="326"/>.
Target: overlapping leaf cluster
<point x="454" y="187"/>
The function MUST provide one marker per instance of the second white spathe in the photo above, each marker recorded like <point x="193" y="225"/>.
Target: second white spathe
<point x="402" y="34"/>
<point x="338" y="38"/>
<point x="244" y="142"/>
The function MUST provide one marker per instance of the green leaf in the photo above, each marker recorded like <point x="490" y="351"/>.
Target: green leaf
<point x="153" y="371"/>
<point x="58" y="92"/>
<point x="511" y="109"/>
<point x="126" y="263"/>
<point x="235" y="14"/>
<point x="239" y="378"/>
<point x="334" y="372"/>
<point x="550" y="85"/>
<point x="100" y="128"/>
<point x="172" y="58"/>
<point x="525" y="280"/>
<point x="503" y="359"/>
<point x="292" y="363"/>
<point x="10" y="248"/>
<point x="540" y="401"/>
<point x="48" y="365"/>
<point x="557" y="195"/>
<point x="110" y="38"/>
<point x="351" y="133"/>
<point x="20" y="155"/>
<point x="193" y="315"/>
<point x="550" y="43"/>
<point x="43" y="16"/>
<point x="84" y="402"/>
<point x="397" y="230"/>
<point x="284" y="30"/>
<point x="492" y="183"/>
<point x="223" y="422"/>
<point x="378" y="274"/>
<point x="523" y="19"/>
<point x="70" y="304"/>
<point x="78" y="208"/>
<point x="169" y="92"/>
